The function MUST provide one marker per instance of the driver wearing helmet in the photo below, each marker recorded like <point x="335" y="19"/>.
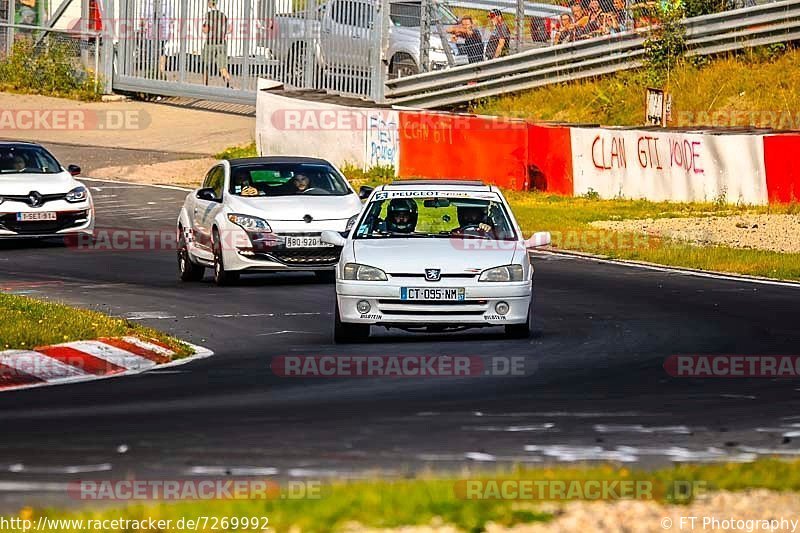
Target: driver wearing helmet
<point x="472" y="217"/>
<point x="401" y="216"/>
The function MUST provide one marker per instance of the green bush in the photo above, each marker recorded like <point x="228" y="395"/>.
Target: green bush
<point x="49" y="68"/>
<point x="665" y="46"/>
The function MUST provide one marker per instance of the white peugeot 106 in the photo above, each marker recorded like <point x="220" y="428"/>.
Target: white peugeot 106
<point x="434" y="255"/>
<point x="38" y="197"/>
<point x="260" y="214"/>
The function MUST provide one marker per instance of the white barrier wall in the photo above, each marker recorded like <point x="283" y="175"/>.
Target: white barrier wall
<point x="679" y="167"/>
<point x="343" y="135"/>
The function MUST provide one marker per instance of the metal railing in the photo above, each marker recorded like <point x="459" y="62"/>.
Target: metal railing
<point x="218" y="49"/>
<point x="726" y="31"/>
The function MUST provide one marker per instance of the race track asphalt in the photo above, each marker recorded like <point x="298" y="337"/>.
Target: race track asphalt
<point x="595" y="388"/>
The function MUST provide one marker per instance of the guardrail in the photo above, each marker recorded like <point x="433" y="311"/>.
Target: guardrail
<point x="731" y="30"/>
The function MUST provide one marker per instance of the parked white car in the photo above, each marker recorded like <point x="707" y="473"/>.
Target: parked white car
<point x="38" y="197"/>
<point x="434" y="256"/>
<point x="262" y="214"/>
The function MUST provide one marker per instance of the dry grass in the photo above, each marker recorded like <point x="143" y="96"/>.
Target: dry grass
<point x="756" y="87"/>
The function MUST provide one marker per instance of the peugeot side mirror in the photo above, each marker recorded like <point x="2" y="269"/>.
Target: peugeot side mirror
<point x="74" y="170"/>
<point x="541" y="238"/>
<point x="365" y="191"/>
<point x="332" y="237"/>
<point x="207" y="194"/>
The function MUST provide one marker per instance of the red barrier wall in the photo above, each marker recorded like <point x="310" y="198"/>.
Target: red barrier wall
<point x="446" y="146"/>
<point x="782" y="162"/>
<point x="550" y="158"/>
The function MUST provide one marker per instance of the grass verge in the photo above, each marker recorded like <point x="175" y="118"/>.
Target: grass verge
<point x="394" y="503"/>
<point x="568" y="219"/>
<point x="26" y="323"/>
<point x="725" y="91"/>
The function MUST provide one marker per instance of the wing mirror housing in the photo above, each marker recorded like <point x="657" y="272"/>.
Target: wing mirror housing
<point x="540" y="238"/>
<point x="332" y="237"/>
<point x="207" y="194"/>
<point x="365" y="191"/>
<point x="74" y="170"/>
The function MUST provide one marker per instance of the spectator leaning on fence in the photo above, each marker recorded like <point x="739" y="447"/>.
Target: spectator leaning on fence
<point x="215" y="50"/>
<point x="621" y="14"/>
<point x="472" y="45"/>
<point x="579" y="17"/>
<point x="497" y="45"/>
<point x="566" y="32"/>
<point x="594" y="17"/>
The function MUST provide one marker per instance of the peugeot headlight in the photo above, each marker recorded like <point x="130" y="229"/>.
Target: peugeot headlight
<point x="354" y="271"/>
<point x="248" y="223"/>
<point x="78" y="194"/>
<point x="351" y="222"/>
<point x="503" y="273"/>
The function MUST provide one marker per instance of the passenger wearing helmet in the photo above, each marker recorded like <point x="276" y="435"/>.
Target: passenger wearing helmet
<point x="472" y="218"/>
<point x="401" y="216"/>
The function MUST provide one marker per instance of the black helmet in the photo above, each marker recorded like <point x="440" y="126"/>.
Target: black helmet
<point x="401" y="205"/>
<point x="471" y="214"/>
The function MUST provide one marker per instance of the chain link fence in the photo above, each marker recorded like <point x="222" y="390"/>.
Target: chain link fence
<point x="456" y="32"/>
<point x="57" y="58"/>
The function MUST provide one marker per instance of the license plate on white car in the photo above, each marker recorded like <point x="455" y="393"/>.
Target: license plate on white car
<point x="305" y="242"/>
<point x="443" y="294"/>
<point x="36" y="217"/>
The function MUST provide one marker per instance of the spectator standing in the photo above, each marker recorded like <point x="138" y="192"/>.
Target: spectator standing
<point x="497" y="45"/>
<point x="594" y="17"/>
<point x="621" y="13"/>
<point x="155" y="26"/>
<point x="472" y="45"/>
<point x="579" y="17"/>
<point x="215" y="50"/>
<point x="566" y="32"/>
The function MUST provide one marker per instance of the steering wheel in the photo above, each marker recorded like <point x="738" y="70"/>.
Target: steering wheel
<point x="469" y="228"/>
<point x="314" y="189"/>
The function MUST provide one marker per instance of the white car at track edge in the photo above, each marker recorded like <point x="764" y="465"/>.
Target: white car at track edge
<point x="38" y="197"/>
<point x="262" y="214"/>
<point x="434" y="256"/>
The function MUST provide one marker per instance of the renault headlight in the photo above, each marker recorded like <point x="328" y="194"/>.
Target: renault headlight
<point x="248" y="223"/>
<point x="76" y="195"/>
<point x="503" y="273"/>
<point x="357" y="272"/>
<point x="351" y="222"/>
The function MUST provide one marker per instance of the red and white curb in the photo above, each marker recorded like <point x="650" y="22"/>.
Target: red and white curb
<point x="73" y="362"/>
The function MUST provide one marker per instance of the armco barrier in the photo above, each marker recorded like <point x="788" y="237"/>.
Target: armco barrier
<point x="443" y="145"/>
<point x="663" y="165"/>
<point x="550" y="159"/>
<point x="781" y="157"/>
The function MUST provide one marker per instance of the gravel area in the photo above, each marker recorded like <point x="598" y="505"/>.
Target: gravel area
<point x="731" y="510"/>
<point x="779" y="233"/>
